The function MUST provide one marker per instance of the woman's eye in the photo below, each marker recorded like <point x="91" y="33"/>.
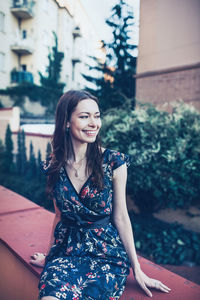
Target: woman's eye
<point x="83" y="117"/>
<point x="98" y="116"/>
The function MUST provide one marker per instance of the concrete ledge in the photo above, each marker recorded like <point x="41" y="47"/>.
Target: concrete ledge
<point x="26" y="227"/>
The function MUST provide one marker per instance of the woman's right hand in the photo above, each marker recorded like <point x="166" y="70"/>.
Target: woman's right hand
<point x="38" y="259"/>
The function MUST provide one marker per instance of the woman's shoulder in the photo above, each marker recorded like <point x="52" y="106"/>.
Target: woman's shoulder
<point x="116" y="158"/>
<point x="45" y="165"/>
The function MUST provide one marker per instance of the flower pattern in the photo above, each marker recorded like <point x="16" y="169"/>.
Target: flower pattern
<point x="86" y="262"/>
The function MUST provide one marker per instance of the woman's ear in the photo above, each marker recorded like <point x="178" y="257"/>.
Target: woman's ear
<point x="68" y="125"/>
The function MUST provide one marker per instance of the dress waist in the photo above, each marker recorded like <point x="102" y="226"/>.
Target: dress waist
<point x="94" y="222"/>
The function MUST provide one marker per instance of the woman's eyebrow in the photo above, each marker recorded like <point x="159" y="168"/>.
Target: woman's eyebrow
<point x="85" y="112"/>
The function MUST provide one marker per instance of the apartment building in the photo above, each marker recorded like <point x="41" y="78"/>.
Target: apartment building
<point x="26" y="36"/>
<point x="168" y="64"/>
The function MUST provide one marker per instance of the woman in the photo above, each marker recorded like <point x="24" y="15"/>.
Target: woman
<point x="92" y="247"/>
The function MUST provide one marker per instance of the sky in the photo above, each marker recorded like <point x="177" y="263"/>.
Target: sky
<point x="99" y="10"/>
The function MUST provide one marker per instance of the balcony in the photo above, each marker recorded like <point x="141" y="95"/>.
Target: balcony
<point x="22" y="9"/>
<point x="77" y="54"/>
<point x="26" y="228"/>
<point x="76" y="32"/>
<point x="76" y="59"/>
<point x="21" y="76"/>
<point x="22" y="46"/>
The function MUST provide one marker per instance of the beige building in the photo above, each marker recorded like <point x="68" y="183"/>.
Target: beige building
<point x="26" y="35"/>
<point x="168" y="66"/>
<point x="39" y="136"/>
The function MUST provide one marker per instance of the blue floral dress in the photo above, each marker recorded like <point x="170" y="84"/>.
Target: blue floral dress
<point x="88" y="259"/>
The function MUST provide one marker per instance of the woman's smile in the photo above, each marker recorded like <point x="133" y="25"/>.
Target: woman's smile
<point x="90" y="132"/>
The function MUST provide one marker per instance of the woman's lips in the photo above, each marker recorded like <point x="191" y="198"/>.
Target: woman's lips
<point x="90" y="132"/>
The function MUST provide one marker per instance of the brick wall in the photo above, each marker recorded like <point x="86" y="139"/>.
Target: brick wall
<point x="165" y="86"/>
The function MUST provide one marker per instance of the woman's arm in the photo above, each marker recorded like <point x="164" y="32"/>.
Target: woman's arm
<point x="122" y="222"/>
<point x="39" y="258"/>
<point x="55" y="222"/>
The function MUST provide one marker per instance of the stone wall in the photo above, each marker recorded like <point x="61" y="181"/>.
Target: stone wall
<point x="166" y="86"/>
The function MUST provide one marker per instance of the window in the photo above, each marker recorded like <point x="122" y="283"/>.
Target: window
<point x="2" y="21"/>
<point x="23" y="67"/>
<point x="24" y="34"/>
<point x="2" y="61"/>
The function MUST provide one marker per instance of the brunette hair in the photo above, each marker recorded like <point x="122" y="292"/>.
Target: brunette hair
<point x="62" y="144"/>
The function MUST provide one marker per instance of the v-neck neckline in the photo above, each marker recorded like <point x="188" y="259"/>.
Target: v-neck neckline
<point x="83" y="186"/>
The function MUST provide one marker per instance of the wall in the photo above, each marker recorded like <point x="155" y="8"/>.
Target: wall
<point x="169" y="52"/>
<point x="12" y="116"/>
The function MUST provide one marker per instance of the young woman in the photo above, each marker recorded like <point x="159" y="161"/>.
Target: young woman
<point x="92" y="246"/>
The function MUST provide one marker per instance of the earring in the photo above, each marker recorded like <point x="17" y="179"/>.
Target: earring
<point x="67" y="130"/>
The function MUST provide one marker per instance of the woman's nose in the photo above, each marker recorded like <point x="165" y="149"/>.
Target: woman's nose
<point x="92" y="122"/>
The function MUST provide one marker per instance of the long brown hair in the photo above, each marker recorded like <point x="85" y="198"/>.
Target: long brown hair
<point x="62" y="143"/>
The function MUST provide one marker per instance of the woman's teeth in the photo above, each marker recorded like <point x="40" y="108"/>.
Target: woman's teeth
<point x="90" y="132"/>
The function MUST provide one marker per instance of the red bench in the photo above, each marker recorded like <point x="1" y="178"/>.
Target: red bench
<point x="25" y="228"/>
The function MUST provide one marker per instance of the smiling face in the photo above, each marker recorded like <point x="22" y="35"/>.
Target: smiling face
<point x="85" y="122"/>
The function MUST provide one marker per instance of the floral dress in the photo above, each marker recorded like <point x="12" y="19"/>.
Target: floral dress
<point x="88" y="259"/>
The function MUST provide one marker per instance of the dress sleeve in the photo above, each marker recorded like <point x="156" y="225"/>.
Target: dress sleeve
<point x="119" y="159"/>
<point x="45" y="166"/>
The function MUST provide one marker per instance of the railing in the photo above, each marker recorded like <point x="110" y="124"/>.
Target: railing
<point x="22" y="8"/>
<point x="21" y="76"/>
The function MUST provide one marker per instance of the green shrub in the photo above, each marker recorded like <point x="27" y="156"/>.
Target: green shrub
<point x="165" y="243"/>
<point x="33" y="189"/>
<point x="165" y="152"/>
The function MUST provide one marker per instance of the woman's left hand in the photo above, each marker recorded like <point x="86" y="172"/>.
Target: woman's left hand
<point x="38" y="259"/>
<point x="146" y="282"/>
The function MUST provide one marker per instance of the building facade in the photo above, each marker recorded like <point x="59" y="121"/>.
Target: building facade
<point x="26" y="37"/>
<point x="168" y="65"/>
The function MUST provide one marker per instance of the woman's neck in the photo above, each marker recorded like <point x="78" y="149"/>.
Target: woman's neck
<point x="79" y="151"/>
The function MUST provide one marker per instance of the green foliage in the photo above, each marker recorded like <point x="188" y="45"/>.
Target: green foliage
<point x="52" y="89"/>
<point x="32" y="166"/>
<point x="120" y="49"/>
<point x="33" y="189"/>
<point x="165" y="152"/>
<point x="2" y="152"/>
<point x="25" y="178"/>
<point x="21" y="162"/>
<point x="54" y="68"/>
<point x="38" y="164"/>
<point x="7" y="163"/>
<point x="165" y="243"/>
<point x="115" y="82"/>
<point x="19" y="93"/>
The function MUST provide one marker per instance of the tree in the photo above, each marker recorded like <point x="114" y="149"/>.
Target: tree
<point x="21" y="153"/>
<point x="32" y="166"/>
<point x="52" y="88"/>
<point x="2" y="154"/>
<point x="121" y="49"/>
<point x="8" y="154"/>
<point x="116" y="83"/>
<point x="102" y="85"/>
<point x="38" y="164"/>
<point x="39" y="157"/>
